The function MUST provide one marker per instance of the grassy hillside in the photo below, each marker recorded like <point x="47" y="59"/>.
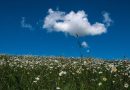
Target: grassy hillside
<point x="59" y="73"/>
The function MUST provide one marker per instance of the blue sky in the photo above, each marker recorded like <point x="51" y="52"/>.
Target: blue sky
<point x="14" y="39"/>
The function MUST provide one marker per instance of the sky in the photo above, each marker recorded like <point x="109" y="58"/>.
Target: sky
<point x="24" y="29"/>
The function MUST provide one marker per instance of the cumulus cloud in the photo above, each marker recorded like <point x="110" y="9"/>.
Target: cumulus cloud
<point x="107" y="20"/>
<point x="84" y="44"/>
<point x="73" y="23"/>
<point x="25" y="25"/>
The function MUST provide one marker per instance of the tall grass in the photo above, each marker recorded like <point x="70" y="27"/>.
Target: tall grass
<point x="58" y="73"/>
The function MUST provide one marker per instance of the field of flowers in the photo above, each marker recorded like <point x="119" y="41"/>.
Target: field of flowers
<point x="59" y="73"/>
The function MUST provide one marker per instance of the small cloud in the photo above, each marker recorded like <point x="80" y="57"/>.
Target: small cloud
<point x="84" y="44"/>
<point x="107" y="20"/>
<point x="73" y="23"/>
<point x="26" y="25"/>
<point x="88" y="51"/>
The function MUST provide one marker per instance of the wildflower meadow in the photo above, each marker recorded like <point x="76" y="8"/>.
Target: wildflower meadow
<point x="60" y="73"/>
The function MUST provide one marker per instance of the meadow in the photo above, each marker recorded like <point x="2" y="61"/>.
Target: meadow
<point x="60" y="73"/>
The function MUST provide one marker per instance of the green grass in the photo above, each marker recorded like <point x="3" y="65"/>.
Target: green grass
<point x="58" y="73"/>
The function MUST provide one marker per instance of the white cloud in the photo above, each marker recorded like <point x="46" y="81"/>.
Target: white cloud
<point x="107" y="20"/>
<point x="88" y="51"/>
<point x="72" y="23"/>
<point x="25" y="25"/>
<point x="84" y="44"/>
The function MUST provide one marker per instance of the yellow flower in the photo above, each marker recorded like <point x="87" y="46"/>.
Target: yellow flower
<point x="113" y="69"/>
